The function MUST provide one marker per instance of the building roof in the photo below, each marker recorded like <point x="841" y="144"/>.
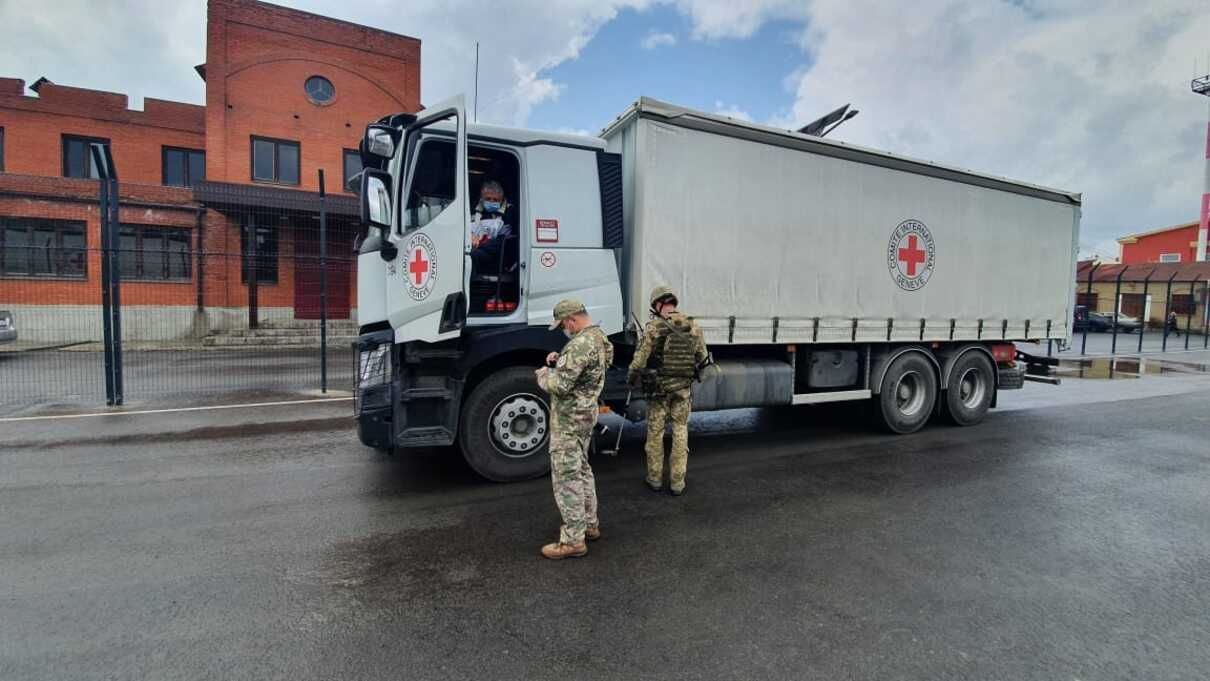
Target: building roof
<point x="1153" y="232"/>
<point x="1154" y="272"/>
<point x="221" y="194"/>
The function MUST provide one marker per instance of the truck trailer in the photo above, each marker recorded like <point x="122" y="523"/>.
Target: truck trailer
<point x="818" y="271"/>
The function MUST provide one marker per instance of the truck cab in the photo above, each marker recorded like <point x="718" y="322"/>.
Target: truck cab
<point x="452" y="324"/>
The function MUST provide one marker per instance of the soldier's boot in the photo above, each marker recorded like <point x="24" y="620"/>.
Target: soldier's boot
<point x="653" y="486"/>
<point x="559" y="550"/>
<point x="592" y="533"/>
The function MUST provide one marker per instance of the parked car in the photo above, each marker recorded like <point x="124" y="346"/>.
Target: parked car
<point x="8" y="328"/>
<point x="1104" y="322"/>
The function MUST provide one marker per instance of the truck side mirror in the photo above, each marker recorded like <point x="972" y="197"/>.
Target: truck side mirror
<point x="379" y="145"/>
<point x="376" y="199"/>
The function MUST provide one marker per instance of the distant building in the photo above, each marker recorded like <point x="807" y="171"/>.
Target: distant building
<point x="1176" y="244"/>
<point x="205" y="190"/>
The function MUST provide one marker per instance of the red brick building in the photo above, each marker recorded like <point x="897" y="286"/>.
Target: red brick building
<point x="209" y="193"/>
<point x="1177" y="244"/>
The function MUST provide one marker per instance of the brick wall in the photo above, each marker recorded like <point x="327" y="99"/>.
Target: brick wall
<point x="258" y="57"/>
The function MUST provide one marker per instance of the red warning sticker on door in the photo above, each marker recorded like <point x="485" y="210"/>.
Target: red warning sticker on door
<point x="548" y="231"/>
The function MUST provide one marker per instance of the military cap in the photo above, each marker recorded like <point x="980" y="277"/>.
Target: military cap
<point x="566" y="308"/>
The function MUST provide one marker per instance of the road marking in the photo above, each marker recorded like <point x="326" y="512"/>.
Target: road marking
<point x="170" y="411"/>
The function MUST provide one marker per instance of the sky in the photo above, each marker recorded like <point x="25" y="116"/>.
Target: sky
<point x="1084" y="95"/>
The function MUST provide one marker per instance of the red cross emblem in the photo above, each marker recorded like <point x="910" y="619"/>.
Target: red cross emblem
<point x="912" y="255"/>
<point x="418" y="266"/>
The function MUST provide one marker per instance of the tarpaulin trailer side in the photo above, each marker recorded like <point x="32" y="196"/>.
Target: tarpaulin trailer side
<point x="773" y="236"/>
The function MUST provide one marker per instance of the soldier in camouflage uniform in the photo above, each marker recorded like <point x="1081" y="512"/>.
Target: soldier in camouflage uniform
<point x="671" y="348"/>
<point x="574" y="382"/>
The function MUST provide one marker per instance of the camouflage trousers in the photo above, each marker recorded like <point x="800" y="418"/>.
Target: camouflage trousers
<point x="661" y="408"/>
<point x="575" y="487"/>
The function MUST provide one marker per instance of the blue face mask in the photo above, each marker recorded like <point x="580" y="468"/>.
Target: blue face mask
<point x="491" y="206"/>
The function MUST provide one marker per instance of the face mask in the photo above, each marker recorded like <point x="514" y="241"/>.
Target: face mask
<point x="491" y="206"/>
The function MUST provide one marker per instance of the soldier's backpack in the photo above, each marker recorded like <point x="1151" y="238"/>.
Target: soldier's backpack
<point x="676" y="349"/>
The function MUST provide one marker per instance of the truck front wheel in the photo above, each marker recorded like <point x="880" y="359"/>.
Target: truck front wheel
<point x="505" y="429"/>
<point x="969" y="390"/>
<point x="908" y="394"/>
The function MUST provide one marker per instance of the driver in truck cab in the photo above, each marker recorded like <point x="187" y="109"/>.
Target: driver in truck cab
<point x="489" y="229"/>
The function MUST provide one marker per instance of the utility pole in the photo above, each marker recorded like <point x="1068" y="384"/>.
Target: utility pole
<point x="1201" y="86"/>
<point x="476" y="81"/>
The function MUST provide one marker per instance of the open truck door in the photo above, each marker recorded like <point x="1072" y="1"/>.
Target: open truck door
<point x="426" y="298"/>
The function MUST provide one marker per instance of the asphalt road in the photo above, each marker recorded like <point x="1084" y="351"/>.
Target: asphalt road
<point x="1067" y="537"/>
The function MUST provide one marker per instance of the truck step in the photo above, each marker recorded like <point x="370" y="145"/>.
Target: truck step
<point x="419" y="356"/>
<point x="436" y="393"/>
<point x="426" y="436"/>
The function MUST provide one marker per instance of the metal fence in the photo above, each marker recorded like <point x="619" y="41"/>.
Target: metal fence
<point x="149" y="294"/>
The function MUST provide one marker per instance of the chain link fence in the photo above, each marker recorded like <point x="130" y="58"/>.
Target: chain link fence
<point x="218" y="291"/>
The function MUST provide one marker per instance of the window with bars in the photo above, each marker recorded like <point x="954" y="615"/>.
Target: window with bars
<point x="1182" y="304"/>
<point x="262" y="252"/>
<point x="36" y="247"/>
<point x="1088" y="300"/>
<point x="154" y="253"/>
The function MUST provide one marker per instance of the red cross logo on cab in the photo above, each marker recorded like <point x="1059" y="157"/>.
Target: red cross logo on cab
<point x="911" y="255"/>
<point x="420" y="266"/>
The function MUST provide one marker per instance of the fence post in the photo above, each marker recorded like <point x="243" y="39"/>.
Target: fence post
<point x="1167" y="309"/>
<point x="1206" y="314"/>
<point x="1084" y="343"/>
<point x="1146" y="317"/>
<point x="1117" y="310"/>
<point x="115" y="274"/>
<point x="323" y="287"/>
<point x="98" y="160"/>
<point x="1189" y="312"/>
<point x="253" y="256"/>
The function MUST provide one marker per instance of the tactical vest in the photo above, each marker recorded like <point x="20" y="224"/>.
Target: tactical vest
<point x="673" y="354"/>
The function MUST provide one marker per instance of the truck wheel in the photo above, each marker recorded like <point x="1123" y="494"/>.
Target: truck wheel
<point x="505" y="427"/>
<point x="909" y="392"/>
<point x="969" y="391"/>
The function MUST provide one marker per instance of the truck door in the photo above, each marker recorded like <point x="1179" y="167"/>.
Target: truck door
<point x="425" y="290"/>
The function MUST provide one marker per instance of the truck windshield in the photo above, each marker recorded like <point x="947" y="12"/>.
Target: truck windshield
<point x="432" y="184"/>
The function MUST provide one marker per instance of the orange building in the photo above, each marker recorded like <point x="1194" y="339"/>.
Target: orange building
<point x="209" y="193"/>
<point x="1177" y="244"/>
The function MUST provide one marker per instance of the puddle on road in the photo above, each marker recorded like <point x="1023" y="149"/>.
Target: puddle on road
<point x="1126" y="368"/>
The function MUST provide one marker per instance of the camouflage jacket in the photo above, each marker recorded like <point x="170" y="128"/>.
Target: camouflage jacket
<point x="576" y="382"/>
<point x="653" y="340"/>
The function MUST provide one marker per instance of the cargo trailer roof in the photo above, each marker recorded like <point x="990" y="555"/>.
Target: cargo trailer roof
<point x="672" y="114"/>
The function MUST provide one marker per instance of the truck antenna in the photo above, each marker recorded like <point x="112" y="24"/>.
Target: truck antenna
<point x="476" y="81"/>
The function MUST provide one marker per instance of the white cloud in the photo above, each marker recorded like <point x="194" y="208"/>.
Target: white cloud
<point x="654" y="40"/>
<point x="1093" y="97"/>
<point x="732" y="111"/>
<point x="718" y="19"/>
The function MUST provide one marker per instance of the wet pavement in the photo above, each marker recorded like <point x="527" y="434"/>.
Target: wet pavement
<point x="1067" y="537"/>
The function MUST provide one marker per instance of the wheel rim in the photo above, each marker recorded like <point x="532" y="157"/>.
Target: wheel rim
<point x="520" y="425"/>
<point x="972" y="388"/>
<point x="909" y="393"/>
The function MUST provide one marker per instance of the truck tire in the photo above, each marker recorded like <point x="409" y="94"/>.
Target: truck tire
<point x="908" y="394"/>
<point x="970" y="389"/>
<point x="505" y="429"/>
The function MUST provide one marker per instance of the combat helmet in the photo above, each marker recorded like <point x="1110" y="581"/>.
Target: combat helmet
<point x="660" y="293"/>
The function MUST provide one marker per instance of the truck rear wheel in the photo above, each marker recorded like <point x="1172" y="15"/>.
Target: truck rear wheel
<point x="505" y="429"/>
<point x="969" y="390"/>
<point x="908" y="394"/>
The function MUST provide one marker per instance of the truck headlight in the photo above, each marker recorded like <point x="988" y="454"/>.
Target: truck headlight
<point x="374" y="366"/>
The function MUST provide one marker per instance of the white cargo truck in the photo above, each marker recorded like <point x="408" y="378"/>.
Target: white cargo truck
<point x="820" y="271"/>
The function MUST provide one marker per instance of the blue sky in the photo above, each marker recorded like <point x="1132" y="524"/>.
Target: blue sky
<point x="614" y="69"/>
